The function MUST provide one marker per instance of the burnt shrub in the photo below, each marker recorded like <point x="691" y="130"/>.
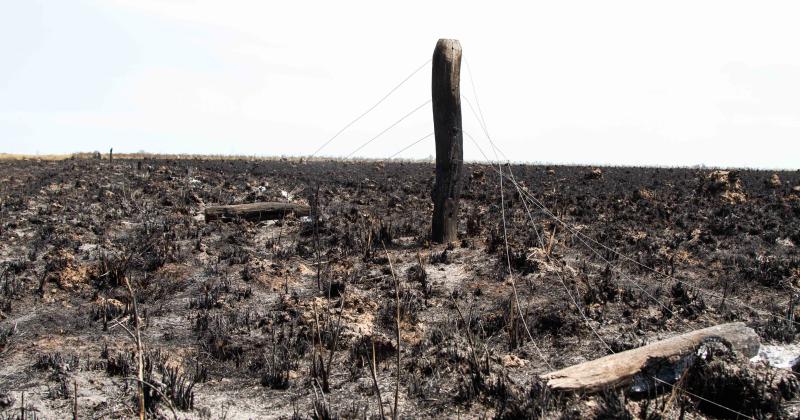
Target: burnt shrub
<point x="11" y="284"/>
<point x="282" y="357"/>
<point x="769" y="270"/>
<point x="537" y="402"/>
<point x="494" y="242"/>
<point x="417" y="274"/>
<point x="474" y="224"/>
<point x="334" y="289"/>
<point x="778" y="328"/>
<point x="151" y="246"/>
<point x="234" y="254"/>
<point x="6" y="337"/>
<point x="601" y="290"/>
<point x="554" y="320"/>
<point x="57" y="362"/>
<point x="361" y="351"/>
<point x="719" y="375"/>
<point x="411" y="303"/>
<point x="178" y="387"/>
<point x="220" y="345"/>
<point x="440" y="258"/>
<point x="611" y="406"/>
<point x="688" y="302"/>
<point x="212" y="295"/>
<point x="110" y="271"/>
<point x="175" y="385"/>
<point x="215" y="335"/>
<point x="119" y="364"/>
<point x="521" y="262"/>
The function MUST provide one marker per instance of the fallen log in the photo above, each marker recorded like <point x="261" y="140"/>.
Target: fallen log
<point x="623" y="368"/>
<point x="256" y="211"/>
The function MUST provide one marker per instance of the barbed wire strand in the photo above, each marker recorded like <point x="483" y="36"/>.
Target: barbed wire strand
<point x="505" y="238"/>
<point x="596" y="333"/>
<point x="541" y="242"/>
<point x="664" y="275"/>
<point x="511" y="277"/>
<point x="583" y="236"/>
<point x="705" y="399"/>
<point x="370" y="109"/>
<point x="411" y="145"/>
<point x="620" y="255"/>
<point x="483" y="124"/>
<point x="608" y="263"/>
<point x="388" y="128"/>
<point x="560" y="277"/>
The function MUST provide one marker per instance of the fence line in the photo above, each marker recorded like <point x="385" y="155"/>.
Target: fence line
<point x="664" y="275"/>
<point x="362" y="115"/>
<point x="583" y="238"/>
<point x="411" y="145"/>
<point x="511" y="276"/>
<point x="388" y="128"/>
<point x="528" y="198"/>
<point x="583" y="315"/>
<point x="575" y="303"/>
<point x="541" y="243"/>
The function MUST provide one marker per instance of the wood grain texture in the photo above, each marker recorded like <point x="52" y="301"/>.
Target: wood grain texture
<point x="256" y="211"/>
<point x="446" y="99"/>
<point x="620" y="368"/>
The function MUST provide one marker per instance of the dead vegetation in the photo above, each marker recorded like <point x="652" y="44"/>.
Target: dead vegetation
<point x="351" y="312"/>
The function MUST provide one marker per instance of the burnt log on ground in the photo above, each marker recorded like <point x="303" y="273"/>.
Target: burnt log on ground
<point x="256" y="211"/>
<point x="623" y="368"/>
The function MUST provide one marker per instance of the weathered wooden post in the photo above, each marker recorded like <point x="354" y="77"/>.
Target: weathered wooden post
<point x="445" y="91"/>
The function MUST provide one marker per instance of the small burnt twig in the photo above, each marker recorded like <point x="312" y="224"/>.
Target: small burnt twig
<point x="395" y="414"/>
<point x="372" y="369"/>
<point x="319" y="365"/>
<point x="141" y="383"/>
<point x="469" y="335"/>
<point x="139" y="349"/>
<point x="315" y="212"/>
<point x="75" y="401"/>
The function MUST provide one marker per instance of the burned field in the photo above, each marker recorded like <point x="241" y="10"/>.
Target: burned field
<point x="298" y="317"/>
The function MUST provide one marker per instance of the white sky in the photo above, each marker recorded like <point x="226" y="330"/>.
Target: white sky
<point x="634" y="83"/>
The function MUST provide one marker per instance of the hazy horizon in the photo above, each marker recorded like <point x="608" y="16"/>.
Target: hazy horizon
<point x="611" y="84"/>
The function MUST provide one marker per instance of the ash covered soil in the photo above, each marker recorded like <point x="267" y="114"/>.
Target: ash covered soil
<point x="280" y="318"/>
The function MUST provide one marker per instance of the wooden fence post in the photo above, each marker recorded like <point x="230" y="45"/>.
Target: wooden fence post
<point x="445" y="92"/>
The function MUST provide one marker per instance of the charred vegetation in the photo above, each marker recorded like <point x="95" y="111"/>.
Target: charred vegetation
<point x="298" y="317"/>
